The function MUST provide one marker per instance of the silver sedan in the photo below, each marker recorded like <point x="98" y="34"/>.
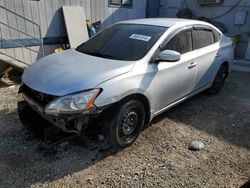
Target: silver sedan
<point x="126" y="75"/>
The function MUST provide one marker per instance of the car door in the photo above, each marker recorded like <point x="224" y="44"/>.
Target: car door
<point x="176" y="80"/>
<point x="206" y="45"/>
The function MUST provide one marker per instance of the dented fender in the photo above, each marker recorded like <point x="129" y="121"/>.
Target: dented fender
<point x="139" y="81"/>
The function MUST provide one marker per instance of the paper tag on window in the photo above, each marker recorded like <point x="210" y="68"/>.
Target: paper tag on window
<point x="140" y="37"/>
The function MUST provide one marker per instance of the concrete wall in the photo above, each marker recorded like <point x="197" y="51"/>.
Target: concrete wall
<point x="48" y="15"/>
<point x="170" y="8"/>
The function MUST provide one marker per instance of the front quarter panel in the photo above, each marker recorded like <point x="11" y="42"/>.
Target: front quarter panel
<point x="141" y="80"/>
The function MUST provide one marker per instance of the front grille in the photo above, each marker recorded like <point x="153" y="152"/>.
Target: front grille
<point x="38" y="97"/>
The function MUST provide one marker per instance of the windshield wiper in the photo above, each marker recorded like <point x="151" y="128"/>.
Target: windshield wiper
<point x="99" y="54"/>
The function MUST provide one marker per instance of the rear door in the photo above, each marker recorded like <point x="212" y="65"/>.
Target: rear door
<point x="206" y="45"/>
<point x="175" y="80"/>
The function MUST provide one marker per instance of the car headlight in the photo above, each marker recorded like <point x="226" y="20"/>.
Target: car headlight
<point x="75" y="103"/>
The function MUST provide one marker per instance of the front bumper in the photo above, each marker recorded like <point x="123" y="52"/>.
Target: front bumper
<point x="67" y="122"/>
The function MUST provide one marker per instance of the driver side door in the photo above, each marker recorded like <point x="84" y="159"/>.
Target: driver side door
<point x="176" y="80"/>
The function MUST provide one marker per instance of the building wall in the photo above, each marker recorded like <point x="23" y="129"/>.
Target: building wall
<point x="170" y="8"/>
<point x="48" y="15"/>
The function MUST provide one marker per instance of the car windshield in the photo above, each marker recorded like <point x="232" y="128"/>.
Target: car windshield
<point x="128" y="42"/>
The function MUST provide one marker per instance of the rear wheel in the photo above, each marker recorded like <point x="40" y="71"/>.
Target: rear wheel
<point x="124" y="124"/>
<point x="219" y="80"/>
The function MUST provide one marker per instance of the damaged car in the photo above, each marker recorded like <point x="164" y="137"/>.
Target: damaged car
<point x="126" y="75"/>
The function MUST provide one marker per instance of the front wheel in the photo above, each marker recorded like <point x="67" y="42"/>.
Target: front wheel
<point x="219" y="81"/>
<point x="124" y="124"/>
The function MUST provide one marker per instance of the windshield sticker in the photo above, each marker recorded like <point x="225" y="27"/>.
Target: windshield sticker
<point x="140" y="37"/>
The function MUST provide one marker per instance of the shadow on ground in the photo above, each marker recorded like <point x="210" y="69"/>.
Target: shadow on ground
<point x="246" y="185"/>
<point x="225" y="116"/>
<point x="22" y="154"/>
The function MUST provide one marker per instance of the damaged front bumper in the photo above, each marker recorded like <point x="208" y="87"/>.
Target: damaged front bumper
<point x="74" y="123"/>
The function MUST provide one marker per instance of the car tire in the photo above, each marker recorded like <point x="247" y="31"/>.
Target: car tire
<point x="124" y="123"/>
<point x="219" y="81"/>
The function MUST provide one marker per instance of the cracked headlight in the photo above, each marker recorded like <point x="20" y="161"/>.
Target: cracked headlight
<point x="74" y="103"/>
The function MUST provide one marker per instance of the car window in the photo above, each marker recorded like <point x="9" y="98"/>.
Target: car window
<point x="181" y="42"/>
<point x="217" y="35"/>
<point x="123" y="41"/>
<point x="202" y="37"/>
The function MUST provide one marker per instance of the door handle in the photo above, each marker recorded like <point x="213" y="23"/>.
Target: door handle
<point x="191" y="65"/>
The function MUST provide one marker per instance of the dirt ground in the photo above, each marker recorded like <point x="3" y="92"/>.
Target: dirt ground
<point x="159" y="158"/>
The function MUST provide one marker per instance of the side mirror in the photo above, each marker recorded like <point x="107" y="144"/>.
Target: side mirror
<point x="169" y="55"/>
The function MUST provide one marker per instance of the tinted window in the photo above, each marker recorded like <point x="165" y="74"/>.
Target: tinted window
<point x="182" y="42"/>
<point x="217" y="36"/>
<point x="123" y="41"/>
<point x="202" y="38"/>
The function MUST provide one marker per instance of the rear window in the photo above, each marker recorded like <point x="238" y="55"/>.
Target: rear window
<point x="123" y="41"/>
<point x="202" y="38"/>
<point x="217" y="36"/>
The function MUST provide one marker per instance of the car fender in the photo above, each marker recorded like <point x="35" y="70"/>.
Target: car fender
<point x="127" y="84"/>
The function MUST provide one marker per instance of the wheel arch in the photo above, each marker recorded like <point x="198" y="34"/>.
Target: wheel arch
<point x="142" y="98"/>
<point x="218" y="66"/>
<point x="226" y="64"/>
<point x="136" y="96"/>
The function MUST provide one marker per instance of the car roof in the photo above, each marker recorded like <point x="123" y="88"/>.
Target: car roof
<point x="165" y="22"/>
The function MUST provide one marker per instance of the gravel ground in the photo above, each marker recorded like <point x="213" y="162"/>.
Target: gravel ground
<point x="159" y="158"/>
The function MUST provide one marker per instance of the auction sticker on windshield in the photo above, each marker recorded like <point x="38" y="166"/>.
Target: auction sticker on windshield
<point x="140" y="37"/>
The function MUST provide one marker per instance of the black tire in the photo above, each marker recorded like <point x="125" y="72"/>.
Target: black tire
<point x="124" y="123"/>
<point x="219" y="81"/>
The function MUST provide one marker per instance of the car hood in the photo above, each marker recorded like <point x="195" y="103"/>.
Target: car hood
<point x="71" y="71"/>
